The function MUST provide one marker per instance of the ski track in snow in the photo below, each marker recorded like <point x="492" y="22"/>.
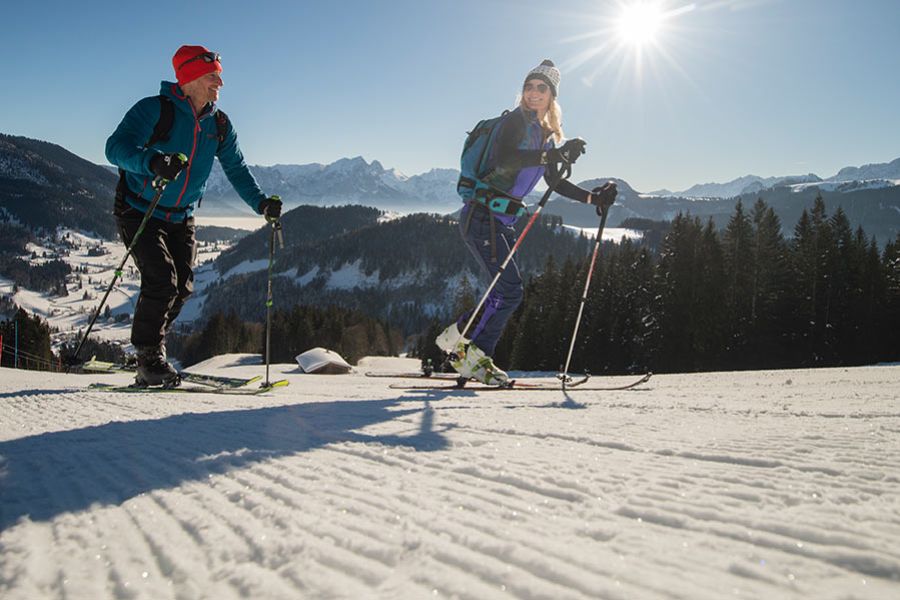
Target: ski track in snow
<point x="779" y="484"/>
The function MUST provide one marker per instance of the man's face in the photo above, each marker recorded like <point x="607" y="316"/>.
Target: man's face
<point x="204" y="89"/>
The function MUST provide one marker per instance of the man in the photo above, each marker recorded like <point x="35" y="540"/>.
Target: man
<point x="174" y="136"/>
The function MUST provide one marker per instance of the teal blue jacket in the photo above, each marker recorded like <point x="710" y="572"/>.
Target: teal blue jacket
<point x="193" y="135"/>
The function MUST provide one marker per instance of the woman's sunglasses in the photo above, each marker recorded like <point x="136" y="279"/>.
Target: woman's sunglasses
<point x="208" y="57"/>
<point x="541" y="87"/>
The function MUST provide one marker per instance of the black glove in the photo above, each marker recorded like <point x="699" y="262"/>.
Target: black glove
<point x="168" y="166"/>
<point x="568" y="152"/>
<point x="604" y="195"/>
<point x="270" y="208"/>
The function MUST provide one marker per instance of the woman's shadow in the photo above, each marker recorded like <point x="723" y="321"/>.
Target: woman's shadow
<point x="45" y="475"/>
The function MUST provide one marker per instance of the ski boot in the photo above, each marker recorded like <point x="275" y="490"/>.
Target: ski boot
<point x="153" y="369"/>
<point x="475" y="364"/>
<point x="447" y="338"/>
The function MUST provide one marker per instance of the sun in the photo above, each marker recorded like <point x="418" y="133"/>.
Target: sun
<point x="630" y="39"/>
<point x="640" y="22"/>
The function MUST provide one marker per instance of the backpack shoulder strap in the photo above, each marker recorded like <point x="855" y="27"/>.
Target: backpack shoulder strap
<point x="164" y="125"/>
<point x="221" y="126"/>
<point x="160" y="134"/>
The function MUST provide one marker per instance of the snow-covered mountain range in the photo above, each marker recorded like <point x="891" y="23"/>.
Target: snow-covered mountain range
<point x="874" y="175"/>
<point x="43" y="185"/>
<point x="346" y="181"/>
<point x="357" y="181"/>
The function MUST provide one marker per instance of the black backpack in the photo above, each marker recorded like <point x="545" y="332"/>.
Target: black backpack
<point x="161" y="134"/>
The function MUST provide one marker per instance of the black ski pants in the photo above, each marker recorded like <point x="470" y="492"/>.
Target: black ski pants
<point x="164" y="254"/>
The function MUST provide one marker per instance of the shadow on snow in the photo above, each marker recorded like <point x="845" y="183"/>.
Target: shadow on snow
<point x="46" y="475"/>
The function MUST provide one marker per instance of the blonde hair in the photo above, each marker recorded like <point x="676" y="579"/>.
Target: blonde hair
<point x="552" y="121"/>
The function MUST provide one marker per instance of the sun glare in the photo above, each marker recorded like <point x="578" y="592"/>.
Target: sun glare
<point x="640" y="22"/>
<point x="631" y="39"/>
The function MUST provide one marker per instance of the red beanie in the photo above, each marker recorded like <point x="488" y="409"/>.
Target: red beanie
<point x="189" y="63"/>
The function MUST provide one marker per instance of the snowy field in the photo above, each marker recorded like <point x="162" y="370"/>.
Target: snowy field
<point x="610" y="234"/>
<point x="246" y="223"/>
<point x="781" y="484"/>
<point x="72" y="313"/>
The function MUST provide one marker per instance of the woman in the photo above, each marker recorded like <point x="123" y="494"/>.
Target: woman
<point x="522" y="151"/>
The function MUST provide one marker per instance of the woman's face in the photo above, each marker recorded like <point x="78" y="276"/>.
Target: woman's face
<point x="537" y="95"/>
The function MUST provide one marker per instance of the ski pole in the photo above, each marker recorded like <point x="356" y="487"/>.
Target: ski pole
<point x="567" y="171"/>
<point x="276" y="228"/>
<point x="158" y="184"/>
<point x="564" y="376"/>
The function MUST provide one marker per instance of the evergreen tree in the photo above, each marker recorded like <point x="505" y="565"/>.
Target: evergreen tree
<point x="868" y="305"/>
<point x="738" y="253"/>
<point x="769" y="300"/>
<point x="32" y="336"/>
<point x="676" y="282"/>
<point x="465" y="296"/>
<point x="709" y="308"/>
<point x="890" y="321"/>
<point x="532" y="332"/>
<point x="812" y="255"/>
<point x="842" y="287"/>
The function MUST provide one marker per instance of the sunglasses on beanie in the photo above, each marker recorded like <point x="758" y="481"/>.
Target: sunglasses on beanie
<point x="207" y="57"/>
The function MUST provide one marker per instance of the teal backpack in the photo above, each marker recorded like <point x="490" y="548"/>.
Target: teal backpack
<point x="476" y="156"/>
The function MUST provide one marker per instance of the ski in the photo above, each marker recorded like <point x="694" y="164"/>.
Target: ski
<point x="415" y="375"/>
<point x="522" y="386"/>
<point x="99" y="366"/>
<point x="228" y="391"/>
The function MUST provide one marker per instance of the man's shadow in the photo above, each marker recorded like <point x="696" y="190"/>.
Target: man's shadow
<point x="45" y="475"/>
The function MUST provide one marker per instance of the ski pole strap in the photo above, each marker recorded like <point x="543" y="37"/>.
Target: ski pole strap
<point x="472" y="207"/>
<point x="493" y="238"/>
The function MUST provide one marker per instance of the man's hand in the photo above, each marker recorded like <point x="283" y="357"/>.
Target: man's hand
<point x="605" y="195"/>
<point x="168" y="166"/>
<point x="270" y="208"/>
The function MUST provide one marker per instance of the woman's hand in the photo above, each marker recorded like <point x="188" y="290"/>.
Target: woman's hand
<point x="603" y="196"/>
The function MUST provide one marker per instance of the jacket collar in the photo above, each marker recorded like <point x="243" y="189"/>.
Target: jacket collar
<point x="530" y="116"/>
<point x="174" y="92"/>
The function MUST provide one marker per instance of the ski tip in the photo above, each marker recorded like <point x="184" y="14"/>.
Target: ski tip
<point x="265" y="387"/>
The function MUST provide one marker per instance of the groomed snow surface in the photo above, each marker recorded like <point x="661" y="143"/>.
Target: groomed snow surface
<point x="781" y="484"/>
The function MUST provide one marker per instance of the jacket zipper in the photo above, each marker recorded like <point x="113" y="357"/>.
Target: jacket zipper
<point x="187" y="175"/>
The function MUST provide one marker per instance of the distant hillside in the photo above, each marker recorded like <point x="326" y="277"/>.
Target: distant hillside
<point x="45" y="185"/>
<point x="403" y="271"/>
<point x="301" y="227"/>
<point x="875" y="209"/>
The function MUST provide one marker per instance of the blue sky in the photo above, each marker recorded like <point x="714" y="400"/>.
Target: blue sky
<point x="727" y="88"/>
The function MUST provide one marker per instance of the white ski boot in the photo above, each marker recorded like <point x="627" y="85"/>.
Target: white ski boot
<point x="447" y="338"/>
<point x="475" y="364"/>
